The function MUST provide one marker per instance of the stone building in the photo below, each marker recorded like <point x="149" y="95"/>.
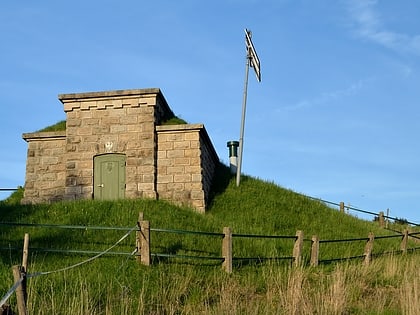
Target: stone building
<point x="116" y="145"/>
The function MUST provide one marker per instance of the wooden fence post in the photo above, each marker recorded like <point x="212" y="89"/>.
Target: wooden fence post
<point x="404" y="241"/>
<point x="21" y="294"/>
<point x="297" y="248"/>
<point x="24" y="271"/>
<point x="227" y="249"/>
<point x="342" y="207"/>
<point x="369" y="248"/>
<point x="381" y="219"/>
<point x="145" y="242"/>
<point x="25" y="253"/>
<point x="315" y="251"/>
<point x="138" y="238"/>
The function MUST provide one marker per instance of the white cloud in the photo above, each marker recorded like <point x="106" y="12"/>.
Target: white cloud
<point x="328" y="97"/>
<point x="370" y="26"/>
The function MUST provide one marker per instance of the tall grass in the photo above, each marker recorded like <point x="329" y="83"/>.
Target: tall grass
<point x="387" y="286"/>
<point x="119" y="285"/>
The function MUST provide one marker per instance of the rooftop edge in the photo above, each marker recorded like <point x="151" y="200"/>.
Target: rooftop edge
<point x="112" y="93"/>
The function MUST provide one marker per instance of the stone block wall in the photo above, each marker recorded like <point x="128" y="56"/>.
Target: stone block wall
<point x="45" y="167"/>
<point x="174" y="162"/>
<point x="186" y="164"/>
<point x="112" y="122"/>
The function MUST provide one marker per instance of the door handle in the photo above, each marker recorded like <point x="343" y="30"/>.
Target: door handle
<point x="101" y="185"/>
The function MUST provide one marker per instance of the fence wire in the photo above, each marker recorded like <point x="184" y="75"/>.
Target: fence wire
<point x="85" y="261"/>
<point x="43" y="273"/>
<point x="11" y="291"/>
<point x="360" y="210"/>
<point x="178" y="231"/>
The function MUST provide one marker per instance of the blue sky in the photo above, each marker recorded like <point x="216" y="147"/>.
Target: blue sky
<point x="336" y="115"/>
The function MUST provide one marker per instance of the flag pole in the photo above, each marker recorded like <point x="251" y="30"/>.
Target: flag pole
<point x="253" y="61"/>
<point x="241" y="136"/>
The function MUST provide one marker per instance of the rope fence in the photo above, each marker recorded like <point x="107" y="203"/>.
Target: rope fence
<point x="342" y="207"/>
<point x="71" y="227"/>
<point x="143" y="248"/>
<point x="23" y="275"/>
<point x="264" y="236"/>
<point x="215" y="257"/>
<point x="186" y="232"/>
<point x="84" y="261"/>
<point x="11" y="291"/>
<point x="144" y="253"/>
<point x="346" y="240"/>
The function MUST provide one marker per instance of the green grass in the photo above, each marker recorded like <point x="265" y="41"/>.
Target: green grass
<point x="61" y="125"/>
<point x="174" y="121"/>
<point x="14" y="199"/>
<point x="119" y="285"/>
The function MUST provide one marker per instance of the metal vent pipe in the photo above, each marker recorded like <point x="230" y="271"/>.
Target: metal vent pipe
<point x="233" y="155"/>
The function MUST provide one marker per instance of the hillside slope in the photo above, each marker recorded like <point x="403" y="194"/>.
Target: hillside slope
<point x="255" y="207"/>
<point x="117" y="284"/>
<point x="259" y="206"/>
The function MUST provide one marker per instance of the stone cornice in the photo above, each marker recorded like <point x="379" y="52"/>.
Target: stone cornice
<point x="44" y="135"/>
<point x="71" y="97"/>
<point x="113" y="99"/>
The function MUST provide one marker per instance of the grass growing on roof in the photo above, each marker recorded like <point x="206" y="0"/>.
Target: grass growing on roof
<point x="59" y="126"/>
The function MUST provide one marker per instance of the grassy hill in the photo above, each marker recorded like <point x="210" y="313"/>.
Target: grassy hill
<point x="117" y="284"/>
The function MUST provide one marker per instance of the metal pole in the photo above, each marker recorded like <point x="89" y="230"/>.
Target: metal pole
<point x="241" y="137"/>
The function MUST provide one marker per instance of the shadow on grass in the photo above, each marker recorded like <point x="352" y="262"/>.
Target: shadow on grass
<point x="11" y="209"/>
<point x="221" y="180"/>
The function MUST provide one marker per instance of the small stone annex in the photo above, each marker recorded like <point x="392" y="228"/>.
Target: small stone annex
<point x="116" y="145"/>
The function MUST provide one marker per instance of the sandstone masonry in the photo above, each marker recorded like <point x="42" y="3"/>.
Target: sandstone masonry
<point x="115" y="146"/>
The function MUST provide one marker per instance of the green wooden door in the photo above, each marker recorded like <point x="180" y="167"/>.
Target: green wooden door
<point x="109" y="176"/>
